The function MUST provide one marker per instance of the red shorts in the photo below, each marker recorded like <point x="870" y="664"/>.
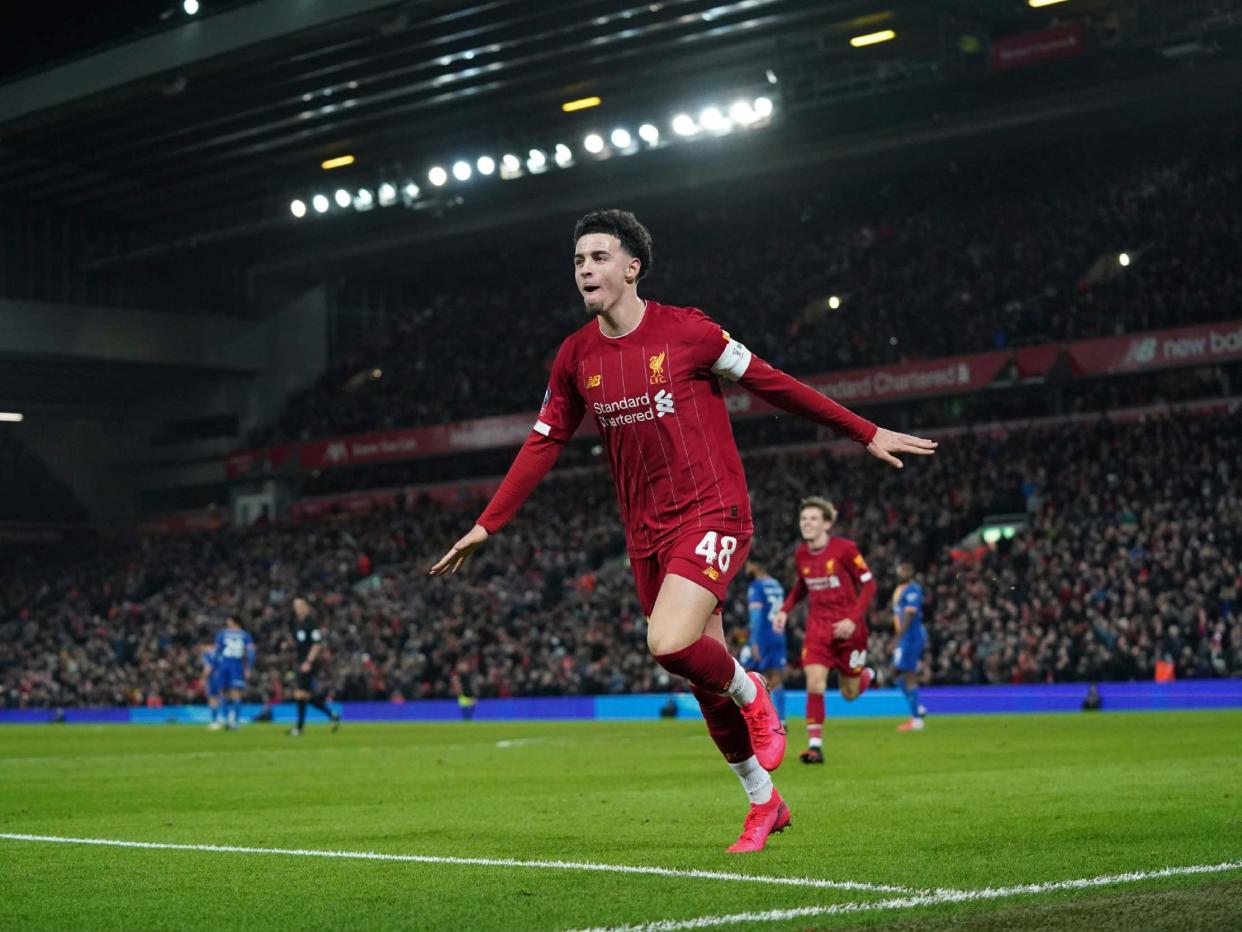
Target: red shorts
<point x="848" y="657"/>
<point x="709" y="558"/>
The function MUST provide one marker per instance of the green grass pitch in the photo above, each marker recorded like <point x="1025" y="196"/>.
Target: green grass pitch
<point x="971" y="803"/>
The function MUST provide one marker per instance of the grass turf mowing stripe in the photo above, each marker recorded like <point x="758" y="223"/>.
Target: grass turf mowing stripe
<point x="480" y="862"/>
<point x="933" y="898"/>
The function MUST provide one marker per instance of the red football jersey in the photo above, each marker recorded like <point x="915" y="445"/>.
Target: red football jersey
<point x="838" y="581"/>
<point x="656" y="398"/>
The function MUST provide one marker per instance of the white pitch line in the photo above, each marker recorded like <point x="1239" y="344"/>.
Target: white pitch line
<point x="933" y="898"/>
<point x="480" y="862"/>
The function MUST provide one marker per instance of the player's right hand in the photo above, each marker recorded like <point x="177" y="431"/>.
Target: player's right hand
<point x="778" y="622"/>
<point x="451" y="561"/>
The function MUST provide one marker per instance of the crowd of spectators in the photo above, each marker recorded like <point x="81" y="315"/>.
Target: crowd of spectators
<point x="1131" y="554"/>
<point x="1022" y="248"/>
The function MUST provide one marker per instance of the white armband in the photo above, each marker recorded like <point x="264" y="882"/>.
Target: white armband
<point x="733" y="362"/>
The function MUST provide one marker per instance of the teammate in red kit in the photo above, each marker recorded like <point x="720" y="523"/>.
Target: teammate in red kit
<point x="835" y="575"/>
<point x="650" y="376"/>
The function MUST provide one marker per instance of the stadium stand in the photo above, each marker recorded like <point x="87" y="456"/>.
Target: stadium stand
<point x="1129" y="556"/>
<point x="966" y="243"/>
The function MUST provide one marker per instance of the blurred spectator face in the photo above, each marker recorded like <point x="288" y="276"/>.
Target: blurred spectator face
<point x="603" y="271"/>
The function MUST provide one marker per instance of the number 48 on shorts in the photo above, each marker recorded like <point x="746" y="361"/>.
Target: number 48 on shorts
<point x="720" y="557"/>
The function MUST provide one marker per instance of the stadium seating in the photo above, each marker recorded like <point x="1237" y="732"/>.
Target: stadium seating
<point x="1131" y="555"/>
<point x="971" y="245"/>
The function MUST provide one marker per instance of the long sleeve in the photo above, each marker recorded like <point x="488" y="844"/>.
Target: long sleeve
<point x="796" y="595"/>
<point x="788" y="394"/>
<point x="865" y="596"/>
<point x="864" y="581"/>
<point x="529" y="467"/>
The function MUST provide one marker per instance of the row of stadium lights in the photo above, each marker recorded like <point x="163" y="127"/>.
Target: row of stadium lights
<point x="711" y="122"/>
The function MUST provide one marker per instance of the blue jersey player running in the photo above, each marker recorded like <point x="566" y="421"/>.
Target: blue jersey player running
<point x="767" y="648"/>
<point x="235" y="649"/>
<point x="211" y="678"/>
<point x="908" y="622"/>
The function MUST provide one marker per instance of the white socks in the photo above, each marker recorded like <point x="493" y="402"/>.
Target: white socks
<point x="742" y="689"/>
<point x="755" y="780"/>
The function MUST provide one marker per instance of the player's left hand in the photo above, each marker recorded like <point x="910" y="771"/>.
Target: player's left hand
<point x="844" y="629"/>
<point x="887" y="442"/>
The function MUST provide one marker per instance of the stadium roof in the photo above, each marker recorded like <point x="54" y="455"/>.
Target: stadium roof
<point x="198" y="130"/>
<point x="230" y="110"/>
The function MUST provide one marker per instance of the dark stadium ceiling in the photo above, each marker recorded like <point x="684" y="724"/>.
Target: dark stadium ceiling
<point x="238" y="131"/>
<point x="157" y="132"/>
<point x="35" y="383"/>
<point x="201" y="129"/>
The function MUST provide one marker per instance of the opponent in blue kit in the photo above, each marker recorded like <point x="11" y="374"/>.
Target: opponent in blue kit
<point x="908" y="622"/>
<point x="766" y="648"/>
<point x="235" y="651"/>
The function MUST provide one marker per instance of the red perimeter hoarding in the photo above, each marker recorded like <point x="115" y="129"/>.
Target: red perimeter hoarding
<point x="1185" y="346"/>
<point x="1158" y="349"/>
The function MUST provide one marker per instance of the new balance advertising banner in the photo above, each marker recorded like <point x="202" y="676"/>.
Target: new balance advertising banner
<point x="1205" y="344"/>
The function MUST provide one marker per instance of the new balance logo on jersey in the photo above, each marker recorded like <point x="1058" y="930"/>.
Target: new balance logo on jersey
<point x="663" y="403"/>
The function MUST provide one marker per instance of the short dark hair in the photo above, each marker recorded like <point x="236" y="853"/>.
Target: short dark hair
<point x="625" y="227"/>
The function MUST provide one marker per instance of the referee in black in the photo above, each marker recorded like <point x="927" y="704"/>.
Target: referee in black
<point x="308" y="640"/>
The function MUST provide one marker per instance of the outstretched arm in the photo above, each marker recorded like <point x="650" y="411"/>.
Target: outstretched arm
<point x="559" y="417"/>
<point x="788" y="394"/>
<point x="529" y="467"/>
